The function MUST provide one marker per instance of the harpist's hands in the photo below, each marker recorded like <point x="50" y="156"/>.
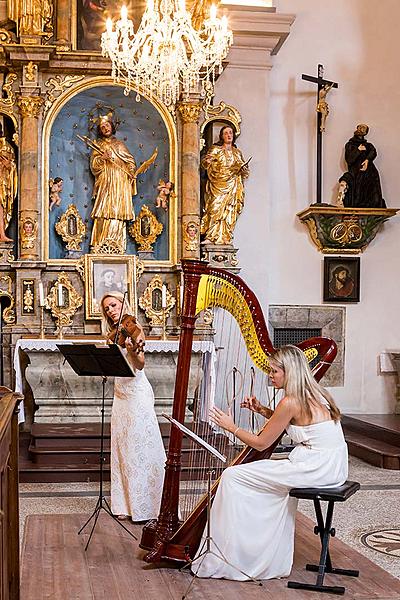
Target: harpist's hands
<point x="222" y="419"/>
<point x="252" y="404"/>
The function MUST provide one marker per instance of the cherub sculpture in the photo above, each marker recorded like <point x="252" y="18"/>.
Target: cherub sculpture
<point x="55" y="188"/>
<point x="164" y="190"/>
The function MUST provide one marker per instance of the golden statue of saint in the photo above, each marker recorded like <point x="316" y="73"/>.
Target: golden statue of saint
<point x="33" y="17"/>
<point x="114" y="169"/>
<point x="224" y="195"/>
<point x="8" y="184"/>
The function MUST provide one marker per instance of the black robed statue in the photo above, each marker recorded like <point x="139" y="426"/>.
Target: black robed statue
<point x="361" y="184"/>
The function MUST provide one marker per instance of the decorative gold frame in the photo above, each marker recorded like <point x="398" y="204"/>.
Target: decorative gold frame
<point x="156" y="315"/>
<point x="6" y="290"/>
<point x="165" y="115"/>
<point x="63" y="228"/>
<point x="63" y="314"/>
<point x="145" y="239"/>
<point x="92" y="309"/>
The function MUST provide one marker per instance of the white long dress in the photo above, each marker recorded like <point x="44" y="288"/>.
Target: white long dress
<point x="137" y="451"/>
<point x="253" y="517"/>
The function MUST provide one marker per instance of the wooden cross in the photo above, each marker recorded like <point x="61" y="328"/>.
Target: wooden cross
<point x="320" y="122"/>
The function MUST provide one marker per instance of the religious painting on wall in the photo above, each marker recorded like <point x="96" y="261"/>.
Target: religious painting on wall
<point x="91" y="16"/>
<point x="341" y="279"/>
<point x="103" y="275"/>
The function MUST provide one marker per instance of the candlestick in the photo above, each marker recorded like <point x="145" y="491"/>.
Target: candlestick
<point x="164" y="333"/>
<point x="41" y="294"/>
<point x="41" y="333"/>
<point x="164" y="296"/>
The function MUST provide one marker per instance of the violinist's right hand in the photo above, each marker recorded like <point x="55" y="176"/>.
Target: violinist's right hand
<point x="252" y="404"/>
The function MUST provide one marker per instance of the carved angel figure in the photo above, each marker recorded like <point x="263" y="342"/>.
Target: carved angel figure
<point x="164" y="190"/>
<point x="55" y="187"/>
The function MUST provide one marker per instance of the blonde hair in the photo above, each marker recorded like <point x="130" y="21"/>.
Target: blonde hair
<point x="299" y="382"/>
<point x="107" y="324"/>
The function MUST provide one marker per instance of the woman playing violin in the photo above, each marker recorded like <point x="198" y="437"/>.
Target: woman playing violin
<point x="137" y="451"/>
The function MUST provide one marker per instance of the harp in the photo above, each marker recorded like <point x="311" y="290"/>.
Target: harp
<point x="168" y="537"/>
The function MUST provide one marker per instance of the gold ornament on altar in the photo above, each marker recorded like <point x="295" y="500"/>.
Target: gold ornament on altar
<point x="191" y="235"/>
<point x="28" y="298"/>
<point x="28" y="232"/>
<point x="63" y="301"/>
<point x="157" y="302"/>
<point x="224" y="194"/>
<point x="115" y="172"/>
<point x="71" y="228"/>
<point x="6" y="285"/>
<point x="8" y="97"/>
<point x="8" y="184"/>
<point x="33" y="18"/>
<point x="145" y="229"/>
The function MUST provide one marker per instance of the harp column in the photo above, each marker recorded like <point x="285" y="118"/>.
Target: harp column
<point x="190" y="113"/>
<point x="29" y="108"/>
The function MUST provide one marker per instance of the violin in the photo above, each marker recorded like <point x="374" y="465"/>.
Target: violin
<point x="128" y="328"/>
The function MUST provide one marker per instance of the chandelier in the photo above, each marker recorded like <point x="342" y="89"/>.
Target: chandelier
<point x="167" y="55"/>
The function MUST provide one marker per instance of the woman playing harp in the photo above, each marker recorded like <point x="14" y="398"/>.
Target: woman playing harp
<point x="241" y="321"/>
<point x="253" y="517"/>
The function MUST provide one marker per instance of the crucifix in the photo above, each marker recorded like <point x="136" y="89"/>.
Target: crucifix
<point x="324" y="86"/>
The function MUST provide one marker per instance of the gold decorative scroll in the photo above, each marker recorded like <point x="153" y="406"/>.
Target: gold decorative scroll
<point x="109" y="246"/>
<point x="145" y="229"/>
<point x="71" y="228"/>
<point x="56" y="85"/>
<point x="151" y="302"/>
<point x="222" y="112"/>
<point x="8" y="99"/>
<point x="6" y="291"/>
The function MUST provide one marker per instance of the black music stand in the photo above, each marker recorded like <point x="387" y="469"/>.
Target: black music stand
<point x="205" y="548"/>
<point x="102" y="361"/>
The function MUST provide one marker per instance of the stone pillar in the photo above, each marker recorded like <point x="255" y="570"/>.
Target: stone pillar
<point x="29" y="108"/>
<point x="190" y="112"/>
<point x="63" y="40"/>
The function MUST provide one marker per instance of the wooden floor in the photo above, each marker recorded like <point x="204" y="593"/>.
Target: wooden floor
<point x="55" y="566"/>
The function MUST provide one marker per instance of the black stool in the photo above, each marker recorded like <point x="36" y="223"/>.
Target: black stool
<point x="324" y="530"/>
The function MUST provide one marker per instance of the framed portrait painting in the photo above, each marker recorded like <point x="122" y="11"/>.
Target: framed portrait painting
<point x="341" y="279"/>
<point x="105" y="274"/>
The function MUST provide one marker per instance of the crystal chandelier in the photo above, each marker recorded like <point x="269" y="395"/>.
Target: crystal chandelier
<point x="167" y="55"/>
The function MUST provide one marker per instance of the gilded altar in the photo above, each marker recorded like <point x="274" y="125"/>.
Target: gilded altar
<point x="97" y="184"/>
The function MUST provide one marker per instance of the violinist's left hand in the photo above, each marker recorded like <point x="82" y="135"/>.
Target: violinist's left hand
<point x="137" y="346"/>
<point x="222" y="419"/>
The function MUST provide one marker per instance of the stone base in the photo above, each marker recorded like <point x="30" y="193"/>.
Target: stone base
<point x="221" y="255"/>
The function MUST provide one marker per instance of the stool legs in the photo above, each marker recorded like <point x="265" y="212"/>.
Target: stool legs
<point x="324" y="530"/>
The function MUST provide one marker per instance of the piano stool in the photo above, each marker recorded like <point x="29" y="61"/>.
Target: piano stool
<point x="325" y="530"/>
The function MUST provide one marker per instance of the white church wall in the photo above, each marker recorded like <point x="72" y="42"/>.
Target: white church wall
<point x="358" y="44"/>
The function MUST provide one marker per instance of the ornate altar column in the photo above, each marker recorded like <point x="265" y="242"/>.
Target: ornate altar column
<point x="190" y="113"/>
<point x="63" y="40"/>
<point x="29" y="108"/>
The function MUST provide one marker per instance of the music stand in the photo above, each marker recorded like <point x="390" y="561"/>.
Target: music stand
<point x="206" y="545"/>
<point x="102" y="361"/>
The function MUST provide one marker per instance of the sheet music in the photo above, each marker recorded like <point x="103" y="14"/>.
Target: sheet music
<point x="196" y="438"/>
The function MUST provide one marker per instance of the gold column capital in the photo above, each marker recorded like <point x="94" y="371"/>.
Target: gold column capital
<point x="190" y="111"/>
<point x="30" y="106"/>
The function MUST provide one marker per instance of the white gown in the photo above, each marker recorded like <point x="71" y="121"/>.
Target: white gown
<point x="137" y="451"/>
<point x="253" y="517"/>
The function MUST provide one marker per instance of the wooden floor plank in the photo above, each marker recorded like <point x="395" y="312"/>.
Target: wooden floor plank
<point x="55" y="566"/>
